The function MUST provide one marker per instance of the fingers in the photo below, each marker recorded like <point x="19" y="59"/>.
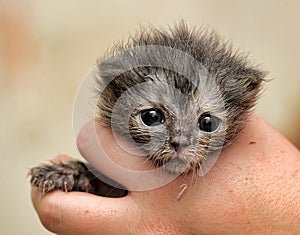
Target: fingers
<point x="80" y="213"/>
<point x="76" y="212"/>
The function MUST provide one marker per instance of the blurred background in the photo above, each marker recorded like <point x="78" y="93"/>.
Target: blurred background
<point x="47" y="47"/>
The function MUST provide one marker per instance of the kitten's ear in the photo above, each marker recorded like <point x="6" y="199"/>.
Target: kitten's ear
<point x="241" y="89"/>
<point x="105" y="71"/>
<point x="116" y="65"/>
<point x="252" y="84"/>
<point x="240" y="95"/>
<point x="255" y="78"/>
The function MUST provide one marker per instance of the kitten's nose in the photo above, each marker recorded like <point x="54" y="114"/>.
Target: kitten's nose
<point x="178" y="145"/>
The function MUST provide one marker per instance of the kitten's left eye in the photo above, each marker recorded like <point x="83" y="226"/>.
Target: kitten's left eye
<point x="152" y="117"/>
<point x="208" y="122"/>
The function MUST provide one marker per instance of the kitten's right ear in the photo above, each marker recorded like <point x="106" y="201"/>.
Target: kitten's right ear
<point x="105" y="71"/>
<point x="117" y="62"/>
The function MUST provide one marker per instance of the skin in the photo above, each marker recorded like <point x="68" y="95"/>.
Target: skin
<point x="254" y="188"/>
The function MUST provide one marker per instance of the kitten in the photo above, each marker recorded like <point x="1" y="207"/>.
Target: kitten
<point x="181" y="95"/>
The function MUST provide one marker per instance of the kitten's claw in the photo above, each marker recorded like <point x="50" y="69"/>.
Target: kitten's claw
<point x="73" y="176"/>
<point x="48" y="186"/>
<point x="66" y="186"/>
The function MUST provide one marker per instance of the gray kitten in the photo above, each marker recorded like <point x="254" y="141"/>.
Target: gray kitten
<point x="180" y="95"/>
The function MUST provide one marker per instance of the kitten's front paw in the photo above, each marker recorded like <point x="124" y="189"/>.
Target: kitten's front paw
<point x="72" y="176"/>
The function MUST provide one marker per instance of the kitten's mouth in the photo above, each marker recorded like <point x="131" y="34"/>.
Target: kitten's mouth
<point x="178" y="160"/>
<point x="177" y="165"/>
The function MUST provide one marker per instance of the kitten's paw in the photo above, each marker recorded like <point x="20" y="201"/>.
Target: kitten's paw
<point x="72" y="176"/>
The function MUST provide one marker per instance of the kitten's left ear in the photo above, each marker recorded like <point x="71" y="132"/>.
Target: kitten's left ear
<point x="255" y="77"/>
<point x="242" y="90"/>
<point x="252" y="86"/>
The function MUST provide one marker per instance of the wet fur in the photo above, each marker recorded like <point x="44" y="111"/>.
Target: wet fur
<point x="237" y="79"/>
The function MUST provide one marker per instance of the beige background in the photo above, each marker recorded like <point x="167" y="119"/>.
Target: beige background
<point x="46" y="48"/>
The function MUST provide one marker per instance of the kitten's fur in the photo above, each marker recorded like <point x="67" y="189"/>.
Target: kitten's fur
<point x="230" y="91"/>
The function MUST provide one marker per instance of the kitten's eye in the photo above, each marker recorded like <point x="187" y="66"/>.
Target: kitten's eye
<point x="152" y="117"/>
<point x="208" y="122"/>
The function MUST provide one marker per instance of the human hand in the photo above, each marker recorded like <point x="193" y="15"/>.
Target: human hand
<point x="254" y="188"/>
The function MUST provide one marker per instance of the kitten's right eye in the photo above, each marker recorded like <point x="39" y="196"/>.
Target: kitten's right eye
<point x="152" y="117"/>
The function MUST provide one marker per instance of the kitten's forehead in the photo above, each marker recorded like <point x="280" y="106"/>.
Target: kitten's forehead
<point x="182" y="97"/>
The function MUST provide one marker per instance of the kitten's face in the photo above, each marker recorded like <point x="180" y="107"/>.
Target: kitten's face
<point x="180" y="95"/>
<point x="174" y="128"/>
